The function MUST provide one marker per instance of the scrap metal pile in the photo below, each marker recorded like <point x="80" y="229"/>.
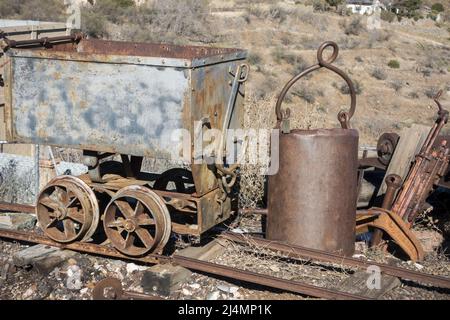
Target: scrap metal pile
<point x="112" y="98"/>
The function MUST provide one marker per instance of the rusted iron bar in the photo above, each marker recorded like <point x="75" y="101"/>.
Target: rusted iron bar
<point x="393" y="183"/>
<point x="42" y="41"/>
<point x="264" y="280"/>
<point x="312" y="254"/>
<point x="429" y="167"/>
<point x="78" y="246"/>
<point x="15" y="207"/>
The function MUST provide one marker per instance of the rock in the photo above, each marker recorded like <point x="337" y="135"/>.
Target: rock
<point x="195" y="286"/>
<point x="164" y="279"/>
<point x="84" y="290"/>
<point x="213" y="295"/>
<point x="41" y="257"/>
<point x="28" y="293"/>
<point x="227" y="289"/>
<point x="418" y="266"/>
<point x="73" y="278"/>
<point x="17" y="221"/>
<point x="131" y="267"/>
<point x="186" y="292"/>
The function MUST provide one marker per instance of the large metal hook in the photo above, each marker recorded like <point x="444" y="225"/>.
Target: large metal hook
<point x="343" y="116"/>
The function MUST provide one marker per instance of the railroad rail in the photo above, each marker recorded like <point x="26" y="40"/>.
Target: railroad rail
<point x="245" y="275"/>
<point x="15" y="207"/>
<point x="312" y="254"/>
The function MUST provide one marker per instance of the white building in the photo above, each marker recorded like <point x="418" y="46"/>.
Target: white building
<point x="364" y="6"/>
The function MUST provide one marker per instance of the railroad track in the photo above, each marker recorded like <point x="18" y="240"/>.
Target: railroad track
<point x="244" y="275"/>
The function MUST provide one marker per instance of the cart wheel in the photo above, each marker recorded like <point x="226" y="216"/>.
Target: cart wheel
<point x="137" y="221"/>
<point x="67" y="210"/>
<point x="386" y="146"/>
<point x="177" y="179"/>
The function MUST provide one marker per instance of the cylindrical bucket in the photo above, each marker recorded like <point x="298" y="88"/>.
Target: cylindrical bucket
<point x="312" y="197"/>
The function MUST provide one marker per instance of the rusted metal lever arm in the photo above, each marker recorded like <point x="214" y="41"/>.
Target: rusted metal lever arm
<point x="41" y="41"/>
<point x="395" y="227"/>
<point x="343" y="116"/>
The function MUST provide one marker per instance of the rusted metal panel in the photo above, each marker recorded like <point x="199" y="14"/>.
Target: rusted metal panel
<point x="111" y="96"/>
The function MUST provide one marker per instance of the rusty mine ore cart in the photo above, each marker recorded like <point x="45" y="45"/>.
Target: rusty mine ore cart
<point x="120" y="98"/>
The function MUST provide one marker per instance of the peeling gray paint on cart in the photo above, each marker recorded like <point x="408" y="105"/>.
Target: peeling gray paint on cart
<point x="125" y="108"/>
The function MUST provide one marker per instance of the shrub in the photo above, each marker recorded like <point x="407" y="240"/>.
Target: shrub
<point x="387" y="16"/>
<point x="397" y="85"/>
<point x="379" y="74"/>
<point x="255" y="59"/>
<point x="309" y="95"/>
<point x="320" y="5"/>
<point x="431" y="92"/>
<point x="346" y="90"/>
<point x="355" y="27"/>
<point x="394" y="64"/>
<point x="334" y="3"/>
<point x="438" y="7"/>
<point x="43" y="10"/>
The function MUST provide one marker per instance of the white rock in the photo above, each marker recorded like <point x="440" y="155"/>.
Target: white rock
<point x="358" y="255"/>
<point x="186" y="292"/>
<point x="73" y="277"/>
<point x="227" y="289"/>
<point x="84" y="290"/>
<point x="28" y="293"/>
<point x="213" y="295"/>
<point x="418" y="266"/>
<point x="237" y="230"/>
<point x="195" y="286"/>
<point x="131" y="267"/>
<point x="237" y="295"/>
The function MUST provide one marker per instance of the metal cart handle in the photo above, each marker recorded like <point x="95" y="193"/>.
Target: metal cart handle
<point x="343" y="116"/>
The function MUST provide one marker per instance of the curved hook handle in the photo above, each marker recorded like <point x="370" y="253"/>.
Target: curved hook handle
<point x="343" y="116"/>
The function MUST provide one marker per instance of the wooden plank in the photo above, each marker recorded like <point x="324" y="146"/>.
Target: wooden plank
<point x="361" y="283"/>
<point x="409" y="144"/>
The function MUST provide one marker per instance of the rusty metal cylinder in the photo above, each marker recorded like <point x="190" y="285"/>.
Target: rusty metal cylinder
<point x="312" y="198"/>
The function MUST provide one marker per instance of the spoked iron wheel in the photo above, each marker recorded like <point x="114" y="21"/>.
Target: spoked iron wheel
<point x="67" y="210"/>
<point x="177" y="179"/>
<point x="137" y="221"/>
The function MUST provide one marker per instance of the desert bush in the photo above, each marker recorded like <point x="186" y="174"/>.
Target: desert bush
<point x="278" y="13"/>
<point x="413" y="95"/>
<point x="344" y="89"/>
<point x="334" y="3"/>
<point x="43" y="10"/>
<point x="394" y="64"/>
<point x="307" y="94"/>
<point x="320" y="5"/>
<point x="387" y="16"/>
<point x="379" y="74"/>
<point x="254" y="58"/>
<point x="438" y="7"/>
<point x="397" y="85"/>
<point x="355" y="27"/>
<point x="431" y="92"/>
<point x="318" y="21"/>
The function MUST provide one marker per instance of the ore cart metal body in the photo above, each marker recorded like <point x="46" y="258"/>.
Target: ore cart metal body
<point x="107" y="97"/>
